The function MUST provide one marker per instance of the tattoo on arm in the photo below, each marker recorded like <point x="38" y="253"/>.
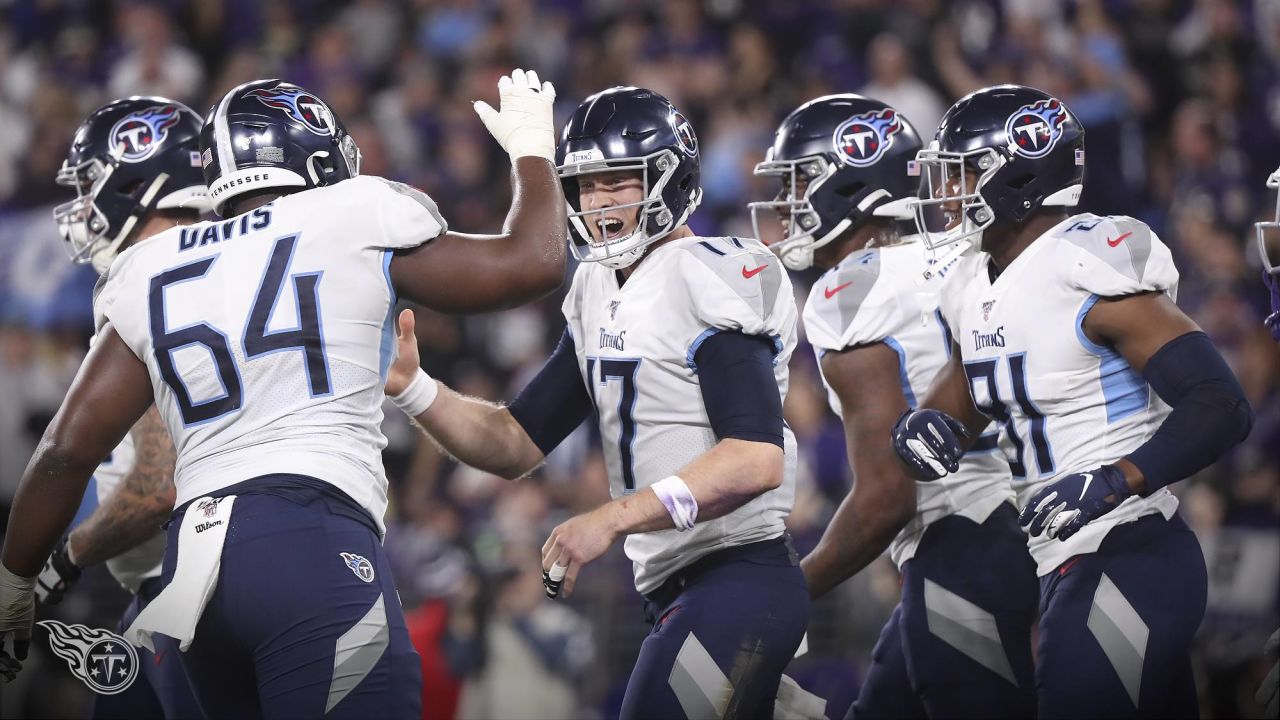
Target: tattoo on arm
<point x="135" y="511"/>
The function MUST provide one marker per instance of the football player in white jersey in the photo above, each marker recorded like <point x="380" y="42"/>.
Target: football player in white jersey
<point x="959" y="642"/>
<point x="1106" y="393"/>
<point x="135" y="167"/>
<point x="679" y="344"/>
<point x="266" y="337"/>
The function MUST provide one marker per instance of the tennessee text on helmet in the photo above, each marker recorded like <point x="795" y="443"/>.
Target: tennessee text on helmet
<point x="1000" y="154"/>
<point x="629" y="129"/>
<point x="128" y="158"/>
<point x="841" y="160"/>
<point x="270" y="134"/>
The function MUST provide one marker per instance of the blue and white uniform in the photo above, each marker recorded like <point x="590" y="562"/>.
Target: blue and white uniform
<point x="1123" y="596"/>
<point x="726" y="599"/>
<point x="959" y="642"/>
<point x="267" y="337"/>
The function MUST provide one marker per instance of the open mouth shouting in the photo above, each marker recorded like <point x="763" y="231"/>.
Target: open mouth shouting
<point x="610" y="228"/>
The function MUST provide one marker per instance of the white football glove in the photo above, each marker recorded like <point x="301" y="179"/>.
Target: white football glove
<point x="524" y="126"/>
<point x="17" y="611"/>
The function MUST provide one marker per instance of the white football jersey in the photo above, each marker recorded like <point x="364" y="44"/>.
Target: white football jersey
<point x="132" y="567"/>
<point x="636" y="345"/>
<point x="268" y="335"/>
<point x="878" y="296"/>
<point x="1065" y="404"/>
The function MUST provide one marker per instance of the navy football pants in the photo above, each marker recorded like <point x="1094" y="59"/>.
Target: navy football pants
<point x="162" y="691"/>
<point x="724" y="629"/>
<point x="292" y="630"/>
<point x="1116" y="625"/>
<point x="959" y="643"/>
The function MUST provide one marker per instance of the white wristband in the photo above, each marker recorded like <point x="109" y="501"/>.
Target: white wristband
<point x="419" y="396"/>
<point x="679" y="501"/>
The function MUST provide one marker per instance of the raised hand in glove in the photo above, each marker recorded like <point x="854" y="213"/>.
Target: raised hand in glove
<point x="523" y="124"/>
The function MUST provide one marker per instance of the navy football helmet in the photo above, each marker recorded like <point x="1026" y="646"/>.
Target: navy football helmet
<point x="1000" y="154"/>
<point x="629" y="128"/>
<point x="271" y="135"/>
<point x="129" y="157"/>
<point x="841" y="160"/>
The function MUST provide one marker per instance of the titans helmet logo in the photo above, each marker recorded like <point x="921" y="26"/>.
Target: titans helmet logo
<point x="863" y="139"/>
<point x="136" y="136"/>
<point x="300" y="105"/>
<point x="1034" y="129"/>
<point x="103" y="661"/>
<point x="684" y="134"/>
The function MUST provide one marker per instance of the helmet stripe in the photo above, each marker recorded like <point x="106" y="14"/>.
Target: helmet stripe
<point x="222" y="134"/>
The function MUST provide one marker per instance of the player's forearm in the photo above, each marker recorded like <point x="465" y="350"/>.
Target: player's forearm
<point x="123" y="522"/>
<point x="536" y="230"/>
<point x="479" y="434"/>
<point x="949" y="392"/>
<point x="133" y="513"/>
<point x="863" y="526"/>
<point x="723" y="479"/>
<point x="47" y="498"/>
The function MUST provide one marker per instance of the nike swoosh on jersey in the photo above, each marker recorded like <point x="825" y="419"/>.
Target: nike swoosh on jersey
<point x="1118" y="240"/>
<point x="831" y="292"/>
<point x="752" y="273"/>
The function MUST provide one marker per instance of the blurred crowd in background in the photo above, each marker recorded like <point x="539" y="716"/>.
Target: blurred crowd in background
<point x="1180" y="100"/>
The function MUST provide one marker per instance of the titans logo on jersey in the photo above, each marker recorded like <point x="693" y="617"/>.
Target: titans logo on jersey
<point x="136" y="136"/>
<point x="863" y="139"/>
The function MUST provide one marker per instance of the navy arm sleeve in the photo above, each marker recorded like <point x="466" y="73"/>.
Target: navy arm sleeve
<point x="555" y="402"/>
<point x="735" y="372"/>
<point x="1210" y="412"/>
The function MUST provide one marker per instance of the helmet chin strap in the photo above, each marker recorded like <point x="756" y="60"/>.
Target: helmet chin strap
<point x="942" y="262"/>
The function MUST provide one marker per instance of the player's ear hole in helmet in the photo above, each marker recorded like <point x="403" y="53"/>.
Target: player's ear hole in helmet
<point x="1000" y="154"/>
<point x="128" y="158"/>
<point x="273" y="136"/>
<point x="841" y="160"/>
<point x="629" y="129"/>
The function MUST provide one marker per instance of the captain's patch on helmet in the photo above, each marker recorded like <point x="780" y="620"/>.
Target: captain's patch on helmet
<point x="269" y="154"/>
